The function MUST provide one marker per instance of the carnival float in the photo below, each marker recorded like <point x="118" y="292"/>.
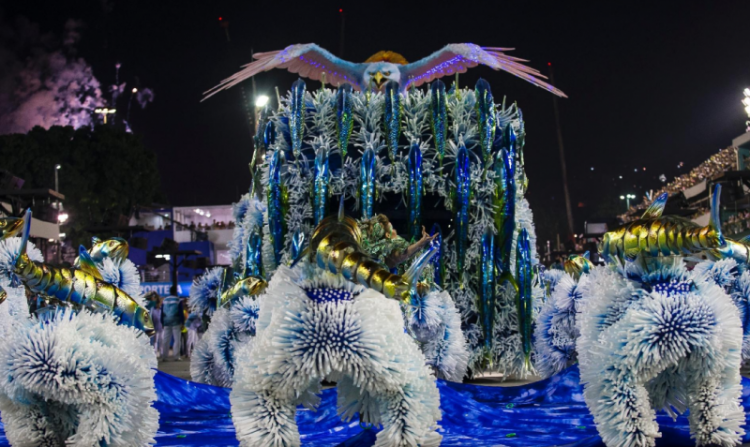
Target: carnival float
<point x="324" y="287"/>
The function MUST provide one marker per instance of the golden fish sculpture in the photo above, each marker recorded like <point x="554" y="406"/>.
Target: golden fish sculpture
<point x="737" y="250"/>
<point x="10" y="226"/>
<point x="77" y="287"/>
<point x="654" y="234"/>
<point x="576" y="265"/>
<point x="250" y="286"/>
<point x="335" y="246"/>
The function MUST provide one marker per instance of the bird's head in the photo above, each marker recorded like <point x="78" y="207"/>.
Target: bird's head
<point x="378" y="73"/>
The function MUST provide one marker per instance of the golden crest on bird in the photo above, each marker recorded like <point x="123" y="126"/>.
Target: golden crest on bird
<point x="387" y="56"/>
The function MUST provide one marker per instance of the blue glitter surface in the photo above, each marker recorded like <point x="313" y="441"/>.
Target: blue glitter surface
<point x="546" y="413"/>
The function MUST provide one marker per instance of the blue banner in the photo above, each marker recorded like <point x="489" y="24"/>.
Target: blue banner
<point x="162" y="288"/>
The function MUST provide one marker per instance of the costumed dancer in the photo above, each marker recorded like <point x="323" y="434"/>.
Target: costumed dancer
<point x="96" y="386"/>
<point x="192" y="323"/>
<point x="173" y="319"/>
<point x="655" y="336"/>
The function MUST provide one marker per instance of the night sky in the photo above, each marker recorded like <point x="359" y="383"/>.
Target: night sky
<point x="649" y="85"/>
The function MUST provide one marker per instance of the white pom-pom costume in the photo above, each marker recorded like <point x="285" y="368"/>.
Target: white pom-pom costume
<point x="16" y="306"/>
<point x="314" y="325"/>
<point x="435" y="323"/>
<point x="77" y="380"/>
<point x="74" y="379"/>
<point x="213" y="358"/>
<point x="734" y="278"/>
<point x="660" y="338"/>
<point x="555" y="332"/>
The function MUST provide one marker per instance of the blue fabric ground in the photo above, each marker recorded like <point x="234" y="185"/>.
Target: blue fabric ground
<point x="547" y="413"/>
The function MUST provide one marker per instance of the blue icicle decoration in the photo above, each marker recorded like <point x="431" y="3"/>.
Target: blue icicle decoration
<point x="439" y="117"/>
<point x="298" y="244"/>
<point x="367" y="183"/>
<point x="322" y="179"/>
<point x="486" y="119"/>
<point x="392" y="118"/>
<point x="254" y="255"/>
<point x="524" y="301"/>
<point x="415" y="192"/>
<point x="510" y="145"/>
<point x="276" y="204"/>
<point x="438" y="262"/>
<point x="344" y="117"/>
<point x="505" y="209"/>
<point x="269" y="135"/>
<point x="463" y="192"/>
<point x="486" y="305"/>
<point x="297" y="117"/>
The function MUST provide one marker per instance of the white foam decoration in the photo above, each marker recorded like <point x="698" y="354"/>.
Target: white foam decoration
<point x="735" y="280"/>
<point x="215" y="354"/>
<point x="552" y="277"/>
<point x="80" y="379"/>
<point x="359" y="343"/>
<point x="724" y="272"/>
<point x="436" y="324"/>
<point x="9" y="249"/>
<point x="123" y="275"/>
<point x="239" y="234"/>
<point x="673" y="342"/>
<point x="206" y="288"/>
<point x="214" y="357"/>
<point x="244" y="314"/>
<point x="741" y="297"/>
<point x="555" y="332"/>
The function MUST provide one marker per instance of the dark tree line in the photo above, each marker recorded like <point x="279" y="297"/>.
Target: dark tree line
<point x="105" y="173"/>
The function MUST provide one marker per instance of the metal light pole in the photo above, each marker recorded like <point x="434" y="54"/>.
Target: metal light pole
<point x="627" y="198"/>
<point x="561" y="147"/>
<point x="104" y="112"/>
<point x="57" y="189"/>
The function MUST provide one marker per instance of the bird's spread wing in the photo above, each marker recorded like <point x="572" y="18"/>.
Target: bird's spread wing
<point x="309" y="60"/>
<point x="457" y="57"/>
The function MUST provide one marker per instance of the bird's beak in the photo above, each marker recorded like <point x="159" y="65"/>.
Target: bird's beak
<point x="378" y="79"/>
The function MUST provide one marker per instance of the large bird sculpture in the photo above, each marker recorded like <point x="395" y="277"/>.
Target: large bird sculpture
<point x="311" y="61"/>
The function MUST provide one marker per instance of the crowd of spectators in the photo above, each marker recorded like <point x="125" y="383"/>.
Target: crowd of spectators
<point x="723" y="161"/>
<point x="737" y="223"/>
<point x="201" y="227"/>
<point x="177" y="328"/>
